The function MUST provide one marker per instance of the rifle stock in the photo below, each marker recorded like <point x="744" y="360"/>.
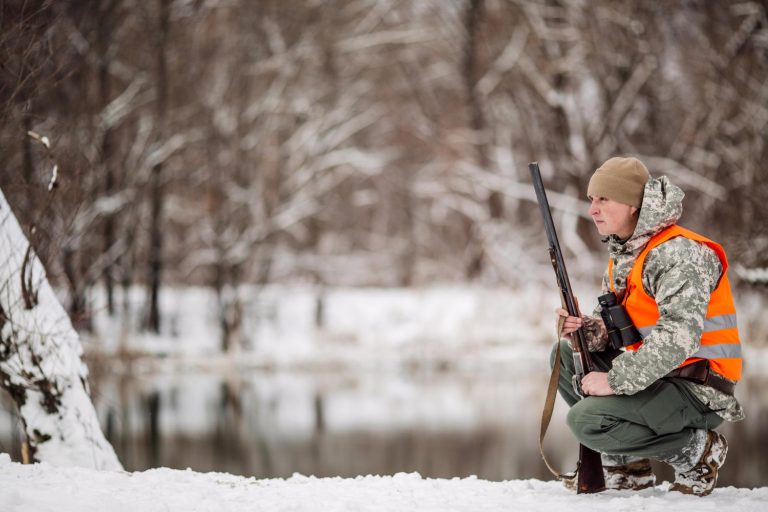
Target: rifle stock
<point x="590" y="469"/>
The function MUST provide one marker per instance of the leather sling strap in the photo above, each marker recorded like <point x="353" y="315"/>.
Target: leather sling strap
<point x="549" y="401"/>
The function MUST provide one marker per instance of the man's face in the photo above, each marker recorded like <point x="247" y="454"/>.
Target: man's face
<point x="612" y="217"/>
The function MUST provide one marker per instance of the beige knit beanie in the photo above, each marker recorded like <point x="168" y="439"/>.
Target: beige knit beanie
<point x="620" y="179"/>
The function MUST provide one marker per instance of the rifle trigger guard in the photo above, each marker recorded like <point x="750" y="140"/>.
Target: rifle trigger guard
<point x="576" y="382"/>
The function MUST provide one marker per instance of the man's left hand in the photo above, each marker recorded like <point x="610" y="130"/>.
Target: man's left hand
<point x="596" y="384"/>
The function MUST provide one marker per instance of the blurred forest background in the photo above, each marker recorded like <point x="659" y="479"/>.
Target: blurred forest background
<point x="366" y="142"/>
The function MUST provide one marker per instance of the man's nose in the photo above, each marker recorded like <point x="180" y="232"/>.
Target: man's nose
<point x="593" y="208"/>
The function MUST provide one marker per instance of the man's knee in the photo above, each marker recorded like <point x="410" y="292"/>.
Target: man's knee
<point x="585" y="421"/>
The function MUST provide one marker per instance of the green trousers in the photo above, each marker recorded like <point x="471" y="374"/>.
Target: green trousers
<point x="657" y="422"/>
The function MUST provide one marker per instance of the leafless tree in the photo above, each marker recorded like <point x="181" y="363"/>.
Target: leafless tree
<point x="371" y="142"/>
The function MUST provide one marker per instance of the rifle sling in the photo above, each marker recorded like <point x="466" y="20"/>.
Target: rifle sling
<point x="587" y="485"/>
<point x="549" y="405"/>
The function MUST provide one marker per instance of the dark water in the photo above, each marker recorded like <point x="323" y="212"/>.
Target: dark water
<point x="439" y="424"/>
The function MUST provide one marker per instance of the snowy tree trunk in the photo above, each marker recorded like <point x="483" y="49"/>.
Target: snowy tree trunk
<point x="40" y="360"/>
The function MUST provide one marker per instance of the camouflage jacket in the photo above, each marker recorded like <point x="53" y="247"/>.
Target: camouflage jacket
<point x="680" y="275"/>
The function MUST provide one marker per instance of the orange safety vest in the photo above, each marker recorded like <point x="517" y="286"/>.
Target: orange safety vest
<point x="720" y="338"/>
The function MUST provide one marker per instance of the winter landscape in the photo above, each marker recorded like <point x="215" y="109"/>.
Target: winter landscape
<point x="286" y="255"/>
<point x="437" y="373"/>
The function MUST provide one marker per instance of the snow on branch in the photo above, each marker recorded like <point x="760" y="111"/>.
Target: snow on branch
<point x="629" y="91"/>
<point x="125" y="103"/>
<point x="100" y="208"/>
<point x="685" y="176"/>
<point x="46" y="143"/>
<point x="539" y="83"/>
<point x="164" y="151"/>
<point x="505" y="62"/>
<point x="523" y="191"/>
<point x="752" y="275"/>
<point x="385" y="37"/>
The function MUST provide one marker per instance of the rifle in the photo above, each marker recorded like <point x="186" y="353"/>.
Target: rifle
<point x="590" y="467"/>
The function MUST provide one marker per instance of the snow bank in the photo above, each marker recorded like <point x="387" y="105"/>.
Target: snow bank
<point x="42" y="488"/>
<point x="299" y="326"/>
<point x="289" y="326"/>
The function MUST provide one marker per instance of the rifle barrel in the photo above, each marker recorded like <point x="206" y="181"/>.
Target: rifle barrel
<point x="558" y="263"/>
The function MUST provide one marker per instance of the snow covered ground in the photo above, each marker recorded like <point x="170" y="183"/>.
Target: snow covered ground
<point x="465" y="328"/>
<point x="41" y="488"/>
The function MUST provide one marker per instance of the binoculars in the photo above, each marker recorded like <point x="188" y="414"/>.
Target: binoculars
<point x="621" y="330"/>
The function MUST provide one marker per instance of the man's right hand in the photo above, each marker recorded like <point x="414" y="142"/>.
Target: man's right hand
<point x="570" y="323"/>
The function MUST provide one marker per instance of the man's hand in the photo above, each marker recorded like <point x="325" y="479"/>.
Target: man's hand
<point x="596" y="384"/>
<point x="571" y="323"/>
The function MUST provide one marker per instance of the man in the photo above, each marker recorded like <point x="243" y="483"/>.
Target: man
<point x="644" y="402"/>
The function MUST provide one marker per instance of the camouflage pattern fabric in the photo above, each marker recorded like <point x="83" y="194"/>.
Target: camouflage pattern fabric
<point x="680" y="275"/>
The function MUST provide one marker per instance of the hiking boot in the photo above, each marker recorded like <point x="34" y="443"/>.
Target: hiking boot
<point x="634" y="476"/>
<point x="700" y="480"/>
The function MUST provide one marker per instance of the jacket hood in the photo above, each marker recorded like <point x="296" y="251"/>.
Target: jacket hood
<point x="662" y="206"/>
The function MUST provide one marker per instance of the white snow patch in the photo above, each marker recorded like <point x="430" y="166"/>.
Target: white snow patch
<point x="42" y="487"/>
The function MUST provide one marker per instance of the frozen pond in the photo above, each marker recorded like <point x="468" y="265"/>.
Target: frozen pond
<point x="344" y="423"/>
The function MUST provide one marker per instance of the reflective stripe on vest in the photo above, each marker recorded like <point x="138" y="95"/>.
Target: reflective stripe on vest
<point x="715" y="323"/>
<point x="720" y="338"/>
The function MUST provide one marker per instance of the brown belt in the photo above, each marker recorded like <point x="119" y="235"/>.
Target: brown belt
<point x="700" y="373"/>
